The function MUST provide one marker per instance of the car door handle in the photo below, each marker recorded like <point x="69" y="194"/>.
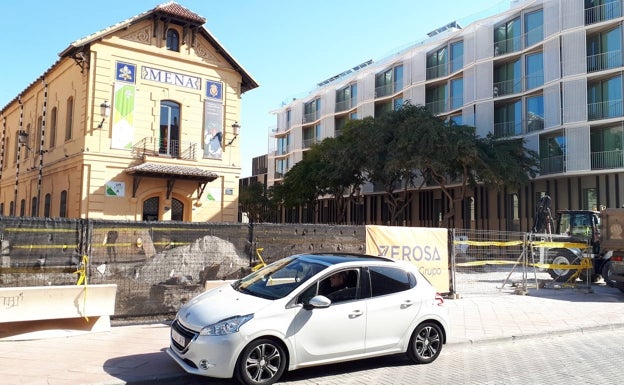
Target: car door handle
<point x="406" y="304"/>
<point x="355" y="314"/>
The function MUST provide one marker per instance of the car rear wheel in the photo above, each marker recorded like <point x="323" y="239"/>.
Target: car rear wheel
<point x="262" y="362"/>
<point x="426" y="343"/>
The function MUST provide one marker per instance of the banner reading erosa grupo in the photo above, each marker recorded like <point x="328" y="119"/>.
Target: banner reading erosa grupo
<point x="425" y="247"/>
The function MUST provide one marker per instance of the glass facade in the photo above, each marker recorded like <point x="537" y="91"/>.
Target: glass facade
<point x="604" y="50"/>
<point x="604" y="98"/>
<point x="534" y="27"/>
<point x="534" y="70"/>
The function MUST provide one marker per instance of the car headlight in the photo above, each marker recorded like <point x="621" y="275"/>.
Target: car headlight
<point x="226" y="326"/>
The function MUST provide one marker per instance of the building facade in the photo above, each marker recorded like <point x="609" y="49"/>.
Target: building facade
<point x="138" y="121"/>
<point x="549" y="71"/>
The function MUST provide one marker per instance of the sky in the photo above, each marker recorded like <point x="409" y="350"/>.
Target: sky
<point x="287" y="46"/>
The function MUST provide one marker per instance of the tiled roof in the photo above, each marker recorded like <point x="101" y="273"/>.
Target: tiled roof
<point x="176" y="9"/>
<point x="158" y="170"/>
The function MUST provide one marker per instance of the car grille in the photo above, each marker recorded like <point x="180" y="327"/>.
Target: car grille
<point x="186" y="333"/>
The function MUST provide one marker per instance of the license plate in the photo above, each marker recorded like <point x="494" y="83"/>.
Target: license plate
<point x="178" y="338"/>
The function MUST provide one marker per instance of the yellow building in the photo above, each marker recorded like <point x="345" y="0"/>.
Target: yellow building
<point x="135" y="122"/>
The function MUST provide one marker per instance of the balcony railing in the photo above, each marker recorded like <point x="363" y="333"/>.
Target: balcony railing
<point x="506" y="129"/>
<point x="607" y="159"/>
<point x="607" y="11"/>
<point x="344" y="105"/>
<point x="605" y="110"/>
<point x="552" y="165"/>
<point x="437" y="106"/>
<point x="282" y="151"/>
<point x="506" y="46"/>
<point x="311" y="117"/>
<point x="176" y="149"/>
<point x="437" y="71"/>
<point x="507" y="87"/>
<point x="513" y="128"/>
<point x="307" y="143"/>
<point x="387" y="89"/>
<point x="604" y="61"/>
<point x="515" y="44"/>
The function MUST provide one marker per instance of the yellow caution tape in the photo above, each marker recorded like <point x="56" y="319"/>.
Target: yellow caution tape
<point x="82" y="280"/>
<point x="549" y="244"/>
<point x="585" y="264"/>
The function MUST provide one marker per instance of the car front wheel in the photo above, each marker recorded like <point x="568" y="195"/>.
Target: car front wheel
<point x="426" y="343"/>
<point x="262" y="362"/>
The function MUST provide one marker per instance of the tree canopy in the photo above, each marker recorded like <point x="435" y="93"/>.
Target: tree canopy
<point x="406" y="149"/>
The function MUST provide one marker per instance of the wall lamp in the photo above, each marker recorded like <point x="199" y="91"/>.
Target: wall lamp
<point x="22" y="139"/>
<point x="235" y="131"/>
<point x="104" y="112"/>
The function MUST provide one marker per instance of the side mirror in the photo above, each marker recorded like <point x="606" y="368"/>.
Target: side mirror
<point x="317" y="302"/>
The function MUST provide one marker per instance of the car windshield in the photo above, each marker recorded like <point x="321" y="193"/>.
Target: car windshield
<point x="278" y="279"/>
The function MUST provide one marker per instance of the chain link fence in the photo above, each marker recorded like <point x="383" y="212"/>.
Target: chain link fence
<point x="158" y="266"/>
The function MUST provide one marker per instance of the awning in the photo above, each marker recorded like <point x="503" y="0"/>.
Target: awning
<point x="171" y="173"/>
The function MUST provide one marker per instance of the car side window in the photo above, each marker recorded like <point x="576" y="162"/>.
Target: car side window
<point x="340" y="286"/>
<point x="389" y="280"/>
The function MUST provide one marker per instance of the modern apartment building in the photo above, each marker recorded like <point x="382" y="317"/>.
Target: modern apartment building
<point x="138" y="121"/>
<point x="549" y="71"/>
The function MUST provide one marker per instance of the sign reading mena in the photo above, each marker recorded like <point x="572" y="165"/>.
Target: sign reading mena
<point x="173" y="78"/>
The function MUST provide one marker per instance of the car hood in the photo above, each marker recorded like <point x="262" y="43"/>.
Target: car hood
<point x="217" y="304"/>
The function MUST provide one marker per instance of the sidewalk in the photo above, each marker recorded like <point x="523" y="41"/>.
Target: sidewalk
<point x="135" y="354"/>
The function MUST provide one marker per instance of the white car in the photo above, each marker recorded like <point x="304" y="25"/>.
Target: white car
<point x="306" y="310"/>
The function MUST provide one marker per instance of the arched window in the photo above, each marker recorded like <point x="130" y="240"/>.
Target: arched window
<point x="22" y="207"/>
<point x="169" y="128"/>
<point x="63" y="208"/>
<point x="177" y="210"/>
<point x="150" y="209"/>
<point x="46" y="205"/>
<point x="1" y="208"/>
<point x="173" y="40"/>
<point x="33" y="208"/>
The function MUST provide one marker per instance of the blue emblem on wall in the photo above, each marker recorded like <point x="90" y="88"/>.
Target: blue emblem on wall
<point x="214" y="90"/>
<point x="125" y="72"/>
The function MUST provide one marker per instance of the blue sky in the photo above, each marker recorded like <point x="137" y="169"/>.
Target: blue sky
<point x="288" y="46"/>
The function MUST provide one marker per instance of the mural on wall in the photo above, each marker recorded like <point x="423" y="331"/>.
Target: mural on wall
<point x="213" y="120"/>
<point x="123" y="106"/>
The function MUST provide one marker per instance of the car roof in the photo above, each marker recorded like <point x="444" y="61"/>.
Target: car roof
<point x="338" y="258"/>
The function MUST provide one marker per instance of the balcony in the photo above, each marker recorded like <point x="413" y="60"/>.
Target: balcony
<point x="514" y="128"/>
<point x="607" y="11"/>
<point x="552" y="165"/>
<point x="507" y="87"/>
<point x="437" y="107"/>
<point x="387" y="89"/>
<point x="604" y="110"/>
<point x="437" y="71"/>
<point x="604" y="61"/>
<point x="506" y="46"/>
<point x="307" y="143"/>
<point x="601" y="160"/>
<point x="507" y="129"/>
<point x="311" y="117"/>
<point x="175" y="149"/>
<point x="344" y="105"/>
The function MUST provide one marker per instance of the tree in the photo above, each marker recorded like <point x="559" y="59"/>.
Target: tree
<point x="339" y="171"/>
<point x="255" y="201"/>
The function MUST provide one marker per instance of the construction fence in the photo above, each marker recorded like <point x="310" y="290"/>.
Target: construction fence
<point x="483" y="262"/>
<point x="158" y="266"/>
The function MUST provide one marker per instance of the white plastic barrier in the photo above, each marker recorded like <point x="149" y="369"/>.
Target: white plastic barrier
<point x="49" y="311"/>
